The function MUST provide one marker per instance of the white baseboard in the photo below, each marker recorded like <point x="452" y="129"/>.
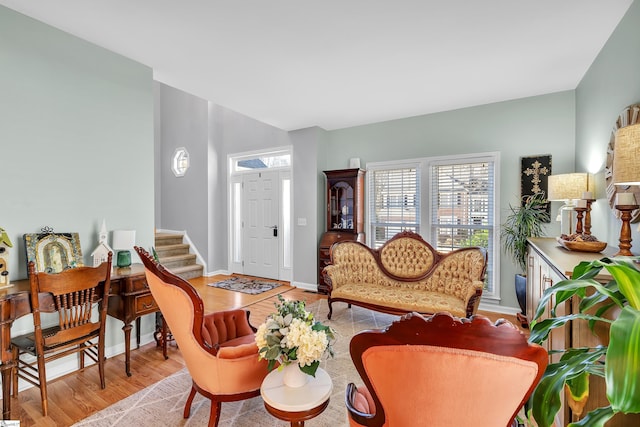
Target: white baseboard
<point x="213" y="273"/>
<point x="494" y="308"/>
<point x="311" y="287"/>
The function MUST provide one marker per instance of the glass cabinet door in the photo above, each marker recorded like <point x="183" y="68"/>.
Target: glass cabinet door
<point x="341" y="206"/>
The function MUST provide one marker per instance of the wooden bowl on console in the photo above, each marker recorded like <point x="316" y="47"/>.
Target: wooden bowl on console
<point x="581" y="246"/>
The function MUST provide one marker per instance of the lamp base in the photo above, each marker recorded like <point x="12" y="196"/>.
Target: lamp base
<point x="123" y="259"/>
<point x="625" y="230"/>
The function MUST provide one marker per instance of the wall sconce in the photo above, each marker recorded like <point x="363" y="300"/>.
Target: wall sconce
<point x="180" y="162"/>
<point x="567" y="188"/>
<point x="626" y="172"/>
<point x="123" y="241"/>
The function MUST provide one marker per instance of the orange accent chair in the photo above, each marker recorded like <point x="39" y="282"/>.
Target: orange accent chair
<point x="74" y="295"/>
<point x="219" y="348"/>
<point x="443" y="371"/>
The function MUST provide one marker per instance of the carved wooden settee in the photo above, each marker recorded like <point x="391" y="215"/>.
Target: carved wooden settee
<point x="406" y="274"/>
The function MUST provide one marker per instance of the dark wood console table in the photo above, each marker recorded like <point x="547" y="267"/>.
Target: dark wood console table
<point x="129" y="299"/>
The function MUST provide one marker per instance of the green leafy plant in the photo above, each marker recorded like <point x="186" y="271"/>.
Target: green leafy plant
<point x="291" y="335"/>
<point x="523" y="222"/>
<point x="618" y="363"/>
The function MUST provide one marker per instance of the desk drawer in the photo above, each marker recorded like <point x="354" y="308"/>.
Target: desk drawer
<point x="145" y="304"/>
<point x="136" y="284"/>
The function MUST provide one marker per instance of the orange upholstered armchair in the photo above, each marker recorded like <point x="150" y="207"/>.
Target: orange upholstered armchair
<point x="442" y="371"/>
<point x="219" y="349"/>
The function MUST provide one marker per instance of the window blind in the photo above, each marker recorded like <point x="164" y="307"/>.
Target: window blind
<point x="394" y="202"/>
<point x="462" y="200"/>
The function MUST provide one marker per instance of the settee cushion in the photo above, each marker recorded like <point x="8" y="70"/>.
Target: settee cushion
<point x="402" y="298"/>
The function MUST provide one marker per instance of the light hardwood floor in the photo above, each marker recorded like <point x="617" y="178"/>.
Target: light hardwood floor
<point x="78" y="395"/>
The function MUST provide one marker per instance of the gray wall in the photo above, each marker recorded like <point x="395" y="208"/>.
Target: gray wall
<point x="205" y="188"/>
<point x="77" y="141"/>
<point x="197" y="202"/>
<point x="183" y="123"/>
<point x="610" y="85"/>
<point x="308" y="181"/>
<point x="519" y="128"/>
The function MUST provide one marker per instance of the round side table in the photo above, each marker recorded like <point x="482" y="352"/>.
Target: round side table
<point x="296" y="404"/>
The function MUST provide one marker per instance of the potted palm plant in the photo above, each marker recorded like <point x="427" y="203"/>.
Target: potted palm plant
<point x="523" y="221"/>
<point x="617" y="362"/>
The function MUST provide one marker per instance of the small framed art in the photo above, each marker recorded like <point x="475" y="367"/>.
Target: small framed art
<point x="53" y="252"/>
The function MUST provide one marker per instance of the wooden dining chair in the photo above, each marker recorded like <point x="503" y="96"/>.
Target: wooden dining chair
<point x="442" y="371"/>
<point x="77" y="294"/>
<point x="219" y="348"/>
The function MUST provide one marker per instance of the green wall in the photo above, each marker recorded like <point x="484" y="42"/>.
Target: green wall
<point x="76" y="142"/>
<point x="520" y="128"/>
<point x="77" y="131"/>
<point x="611" y="84"/>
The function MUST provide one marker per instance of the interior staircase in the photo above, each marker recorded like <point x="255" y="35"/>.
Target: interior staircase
<point x="174" y="255"/>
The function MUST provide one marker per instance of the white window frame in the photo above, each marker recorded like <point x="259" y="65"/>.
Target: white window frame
<point x="424" y="219"/>
<point x="493" y="275"/>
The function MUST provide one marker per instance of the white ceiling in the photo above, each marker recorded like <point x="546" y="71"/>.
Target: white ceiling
<point x="340" y="63"/>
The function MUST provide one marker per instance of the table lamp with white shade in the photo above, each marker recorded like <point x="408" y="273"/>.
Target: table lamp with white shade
<point x="123" y="242"/>
<point x="626" y="172"/>
<point x="568" y="188"/>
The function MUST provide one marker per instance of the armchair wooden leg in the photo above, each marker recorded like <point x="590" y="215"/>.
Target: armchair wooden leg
<point x="214" y="415"/>
<point x="187" y="405"/>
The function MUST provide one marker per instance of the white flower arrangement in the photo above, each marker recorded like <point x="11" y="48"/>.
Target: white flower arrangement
<point x="293" y="336"/>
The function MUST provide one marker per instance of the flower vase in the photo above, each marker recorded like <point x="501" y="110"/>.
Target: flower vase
<point x="293" y="377"/>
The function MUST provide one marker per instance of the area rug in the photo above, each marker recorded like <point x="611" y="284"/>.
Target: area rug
<point x="161" y="404"/>
<point x="245" y="285"/>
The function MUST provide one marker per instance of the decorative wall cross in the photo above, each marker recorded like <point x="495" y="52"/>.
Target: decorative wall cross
<point x="534" y="173"/>
<point x="536" y="169"/>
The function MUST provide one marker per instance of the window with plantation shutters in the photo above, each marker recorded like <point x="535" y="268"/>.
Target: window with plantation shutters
<point x="462" y="206"/>
<point x="394" y="202"/>
<point x="449" y="200"/>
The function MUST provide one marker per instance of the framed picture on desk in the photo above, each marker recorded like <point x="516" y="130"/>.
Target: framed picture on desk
<point x="53" y="252"/>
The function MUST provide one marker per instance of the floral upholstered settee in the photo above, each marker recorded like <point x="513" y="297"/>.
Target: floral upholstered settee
<point x="406" y="274"/>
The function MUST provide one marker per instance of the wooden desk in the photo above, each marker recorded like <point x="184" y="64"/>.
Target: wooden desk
<point x="129" y="298"/>
<point x="14" y="303"/>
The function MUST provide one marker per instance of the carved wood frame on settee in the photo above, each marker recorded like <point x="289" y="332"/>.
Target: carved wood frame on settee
<point x="472" y="304"/>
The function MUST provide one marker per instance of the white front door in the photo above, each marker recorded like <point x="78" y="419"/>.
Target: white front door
<point x="261" y="214"/>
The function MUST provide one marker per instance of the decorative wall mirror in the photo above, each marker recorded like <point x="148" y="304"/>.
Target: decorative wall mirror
<point x="629" y="116"/>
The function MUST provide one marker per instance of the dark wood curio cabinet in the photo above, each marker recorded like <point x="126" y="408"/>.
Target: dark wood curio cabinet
<point x="344" y="213"/>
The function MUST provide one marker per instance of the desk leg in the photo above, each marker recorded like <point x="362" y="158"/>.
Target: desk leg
<point x="137" y="332"/>
<point x="127" y="348"/>
<point x="164" y="339"/>
<point x="6" y="357"/>
<point x="6" y="390"/>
